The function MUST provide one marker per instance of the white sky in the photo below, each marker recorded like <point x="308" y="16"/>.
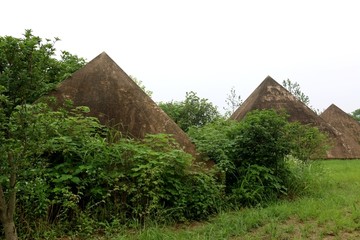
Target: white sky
<point x="209" y="46"/>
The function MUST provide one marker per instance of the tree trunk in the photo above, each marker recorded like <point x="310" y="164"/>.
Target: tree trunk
<point x="10" y="230"/>
<point x="7" y="209"/>
<point x="7" y="220"/>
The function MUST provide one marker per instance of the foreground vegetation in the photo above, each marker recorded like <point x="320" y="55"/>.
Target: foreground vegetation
<point x="62" y="173"/>
<point x="330" y="211"/>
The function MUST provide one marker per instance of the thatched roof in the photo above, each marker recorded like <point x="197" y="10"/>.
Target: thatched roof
<point x="116" y="100"/>
<point x="271" y="95"/>
<point x="348" y="126"/>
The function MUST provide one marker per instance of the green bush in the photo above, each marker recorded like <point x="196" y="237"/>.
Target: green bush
<point x="307" y="142"/>
<point x="215" y="142"/>
<point x="204" y="195"/>
<point x="253" y="154"/>
<point x="255" y="185"/>
<point x="83" y="177"/>
<point x="153" y="179"/>
<point x="261" y="139"/>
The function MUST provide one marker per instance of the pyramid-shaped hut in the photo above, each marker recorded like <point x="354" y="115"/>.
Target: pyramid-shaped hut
<point x="271" y="95"/>
<point x="117" y="101"/>
<point x="347" y="126"/>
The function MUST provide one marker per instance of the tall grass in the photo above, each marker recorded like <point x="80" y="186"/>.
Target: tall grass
<point x="331" y="209"/>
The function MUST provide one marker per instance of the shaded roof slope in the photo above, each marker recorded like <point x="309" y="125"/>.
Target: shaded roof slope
<point x="116" y="100"/>
<point x="348" y="126"/>
<point x="271" y="95"/>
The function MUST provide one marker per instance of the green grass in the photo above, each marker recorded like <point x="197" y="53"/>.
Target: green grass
<point x="331" y="212"/>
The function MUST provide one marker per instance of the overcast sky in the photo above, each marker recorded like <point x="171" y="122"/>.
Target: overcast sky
<point x="209" y="46"/>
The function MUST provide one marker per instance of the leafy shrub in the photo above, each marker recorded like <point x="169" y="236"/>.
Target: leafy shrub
<point x="261" y="140"/>
<point x="253" y="154"/>
<point x="215" y="141"/>
<point x="154" y="179"/>
<point x="203" y="196"/>
<point x="306" y="142"/>
<point x="256" y="184"/>
<point x="80" y="177"/>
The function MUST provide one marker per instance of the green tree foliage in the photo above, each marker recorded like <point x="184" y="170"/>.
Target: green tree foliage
<point x="356" y="114"/>
<point x="193" y="111"/>
<point x="28" y="69"/>
<point x="294" y="89"/>
<point x="233" y="101"/>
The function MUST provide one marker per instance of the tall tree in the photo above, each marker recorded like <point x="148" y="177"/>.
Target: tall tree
<point x="233" y="101"/>
<point x="192" y="112"/>
<point x="28" y="69"/>
<point x="294" y="88"/>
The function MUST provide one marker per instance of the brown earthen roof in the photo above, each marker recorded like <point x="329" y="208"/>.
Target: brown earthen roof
<point x="271" y="95"/>
<point x="347" y="126"/>
<point x="116" y="100"/>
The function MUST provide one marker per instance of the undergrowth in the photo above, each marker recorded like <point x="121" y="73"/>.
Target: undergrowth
<point x="329" y="210"/>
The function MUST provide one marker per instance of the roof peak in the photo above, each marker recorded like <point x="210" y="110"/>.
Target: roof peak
<point x="269" y="81"/>
<point x="333" y="107"/>
<point x="118" y="101"/>
<point x="269" y="78"/>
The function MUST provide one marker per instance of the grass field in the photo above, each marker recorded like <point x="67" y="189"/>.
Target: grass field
<point x="331" y="212"/>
